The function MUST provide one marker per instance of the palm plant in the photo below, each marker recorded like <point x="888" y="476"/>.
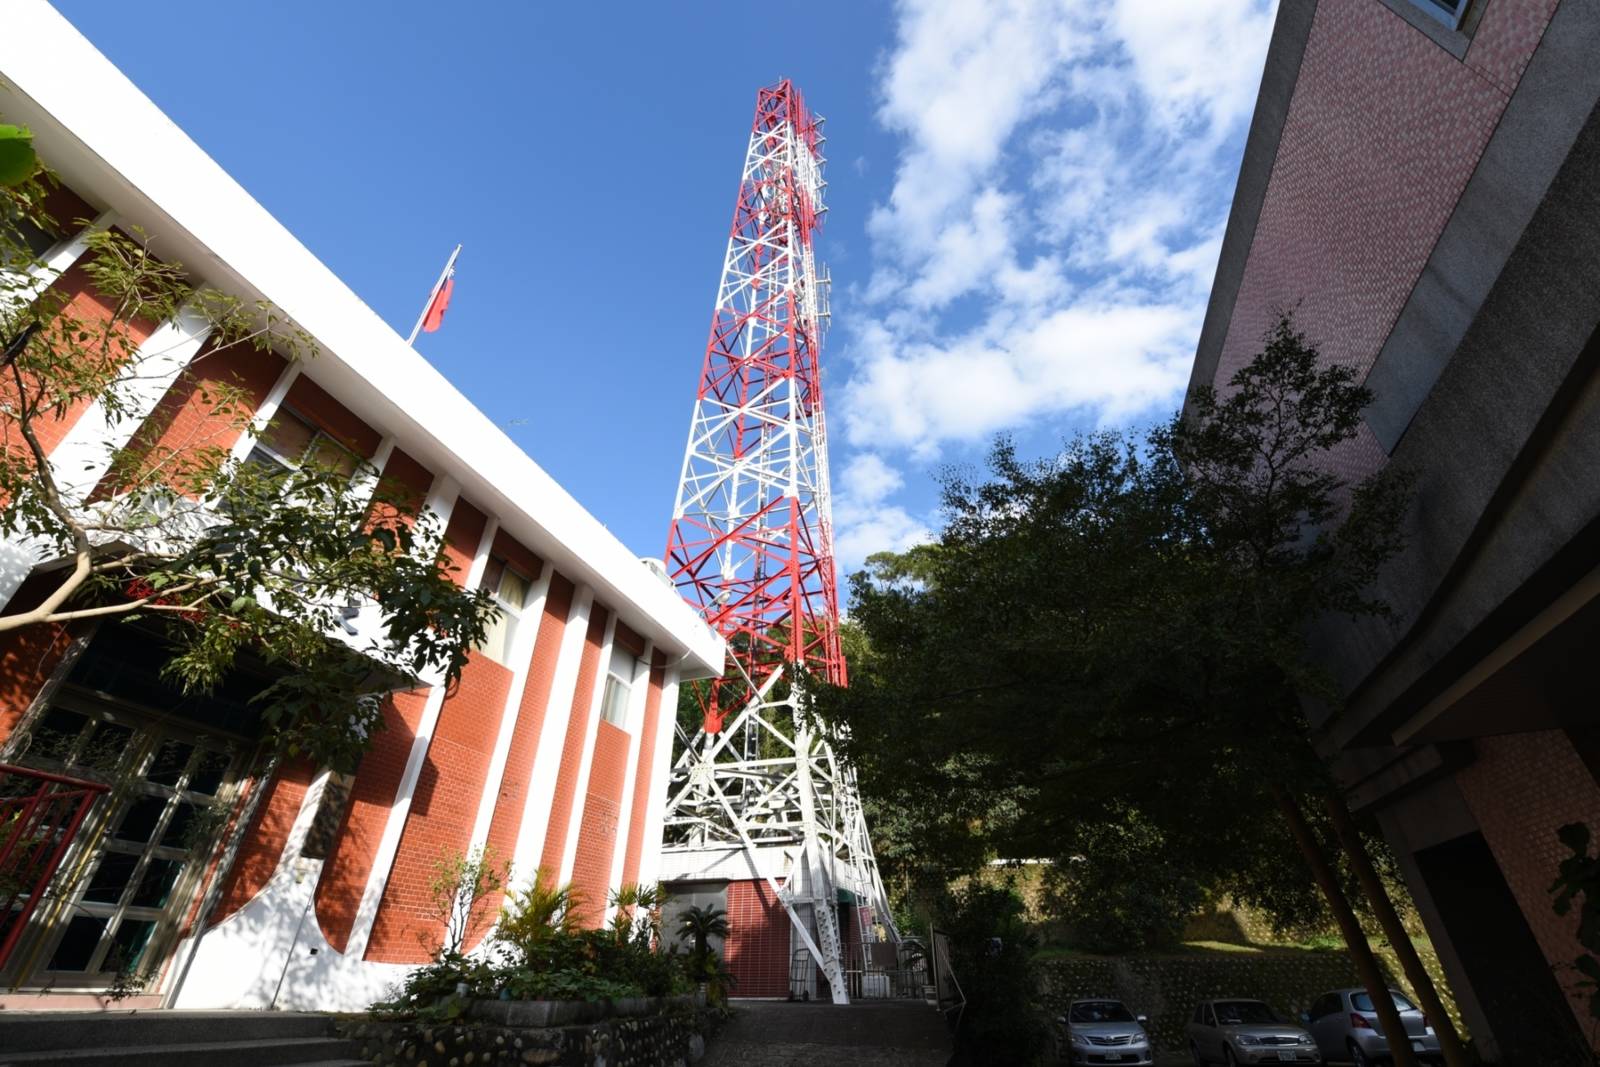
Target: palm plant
<point x="699" y="925"/>
<point x="538" y="911"/>
<point x="637" y="914"/>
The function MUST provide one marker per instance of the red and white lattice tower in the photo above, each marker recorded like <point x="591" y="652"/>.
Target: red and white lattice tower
<point x="757" y="791"/>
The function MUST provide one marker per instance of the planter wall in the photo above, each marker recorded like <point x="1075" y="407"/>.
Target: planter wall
<point x="640" y="1032"/>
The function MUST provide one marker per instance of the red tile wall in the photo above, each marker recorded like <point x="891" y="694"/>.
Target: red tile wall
<point x="81" y="306"/>
<point x="512" y="551"/>
<point x="642" y="785"/>
<point x="1522" y="788"/>
<point x="28" y="655"/>
<point x="68" y="210"/>
<point x="462" y="535"/>
<point x="344" y="876"/>
<point x="263" y="844"/>
<point x="625" y="637"/>
<point x="757" y="948"/>
<point x="506" y="825"/>
<point x="333" y="418"/>
<point x="597" y="831"/>
<point x="1383" y="131"/>
<point x="186" y="418"/>
<point x="1506" y="38"/>
<point x="405" y="480"/>
<point x="443" y="809"/>
<point x="555" y="840"/>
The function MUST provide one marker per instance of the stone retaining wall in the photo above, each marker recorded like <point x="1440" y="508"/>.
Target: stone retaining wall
<point x="647" y="1032"/>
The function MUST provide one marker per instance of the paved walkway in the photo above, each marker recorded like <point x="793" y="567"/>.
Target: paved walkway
<point x="867" y="1033"/>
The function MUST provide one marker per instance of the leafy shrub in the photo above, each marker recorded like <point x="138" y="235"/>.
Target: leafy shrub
<point x="540" y="953"/>
<point x="1125" y="891"/>
<point x="432" y="991"/>
<point x="991" y="951"/>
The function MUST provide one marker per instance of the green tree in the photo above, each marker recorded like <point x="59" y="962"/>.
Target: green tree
<point x="1118" y="632"/>
<point x="222" y="558"/>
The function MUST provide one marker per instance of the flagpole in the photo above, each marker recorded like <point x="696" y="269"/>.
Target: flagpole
<point x="433" y="293"/>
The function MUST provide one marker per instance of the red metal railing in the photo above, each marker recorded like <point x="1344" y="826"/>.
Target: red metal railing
<point x="39" y="815"/>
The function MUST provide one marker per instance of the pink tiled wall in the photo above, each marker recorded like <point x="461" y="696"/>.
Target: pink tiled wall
<point x="1383" y="131"/>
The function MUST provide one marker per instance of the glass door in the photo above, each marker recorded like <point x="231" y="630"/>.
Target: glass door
<point x="124" y="891"/>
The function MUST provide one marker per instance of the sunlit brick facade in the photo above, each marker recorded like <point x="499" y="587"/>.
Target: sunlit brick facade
<point x="312" y="890"/>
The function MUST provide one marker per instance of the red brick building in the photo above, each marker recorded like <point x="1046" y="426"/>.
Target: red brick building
<point x="1421" y="185"/>
<point x="311" y="889"/>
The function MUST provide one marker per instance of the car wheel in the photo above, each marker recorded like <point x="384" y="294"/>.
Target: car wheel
<point x="1358" y="1057"/>
<point x="1229" y="1058"/>
<point x="1194" y="1050"/>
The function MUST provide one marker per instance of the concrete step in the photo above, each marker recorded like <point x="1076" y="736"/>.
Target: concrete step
<point x="63" y="1031"/>
<point x="271" y="1052"/>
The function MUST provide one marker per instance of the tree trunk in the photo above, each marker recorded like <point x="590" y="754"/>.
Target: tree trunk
<point x="1355" y="938"/>
<point x="1455" y="1055"/>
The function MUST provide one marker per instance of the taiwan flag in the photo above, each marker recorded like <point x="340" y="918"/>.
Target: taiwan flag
<point x="433" y="318"/>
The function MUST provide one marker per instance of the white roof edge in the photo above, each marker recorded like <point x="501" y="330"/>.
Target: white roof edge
<point x="111" y="142"/>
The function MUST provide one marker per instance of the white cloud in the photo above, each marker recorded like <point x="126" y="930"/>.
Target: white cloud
<point x="1050" y="236"/>
<point x="868" y="479"/>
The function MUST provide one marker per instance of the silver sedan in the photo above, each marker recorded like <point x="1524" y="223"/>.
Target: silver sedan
<point x="1236" y="1032"/>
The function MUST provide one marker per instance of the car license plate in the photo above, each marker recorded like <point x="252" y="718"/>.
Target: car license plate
<point x="1286" y="1057"/>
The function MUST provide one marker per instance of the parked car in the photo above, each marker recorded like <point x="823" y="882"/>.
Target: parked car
<point x="1345" y="1025"/>
<point x="1099" y="1030"/>
<point x="1247" y="1031"/>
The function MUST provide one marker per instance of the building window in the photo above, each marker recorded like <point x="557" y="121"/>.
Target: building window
<point x="510" y="592"/>
<point x="1449" y="12"/>
<point x="619" y="686"/>
<point x="291" y="441"/>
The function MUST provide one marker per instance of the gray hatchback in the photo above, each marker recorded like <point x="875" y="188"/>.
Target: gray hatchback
<point x="1246" y="1031"/>
<point x="1346" y="1027"/>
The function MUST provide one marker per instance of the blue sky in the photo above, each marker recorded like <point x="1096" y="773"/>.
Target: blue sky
<point x="1027" y="199"/>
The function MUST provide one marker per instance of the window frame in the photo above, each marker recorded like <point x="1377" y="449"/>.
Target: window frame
<point x="318" y="434"/>
<point x="624" y="684"/>
<point x="1437" y="11"/>
<point x="498" y="567"/>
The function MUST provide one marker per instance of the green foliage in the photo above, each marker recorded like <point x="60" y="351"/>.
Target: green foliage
<point x="539" y="951"/>
<point x="636" y="912"/>
<point x="224" y="559"/>
<point x="538" y="912"/>
<point x="1579" y="876"/>
<point x="459" y="888"/>
<point x="441" y="990"/>
<point x="1125" y="887"/>
<point x="698" y="925"/>
<point x="1116" y="635"/>
<point x="991" y="951"/>
<point x="17" y="160"/>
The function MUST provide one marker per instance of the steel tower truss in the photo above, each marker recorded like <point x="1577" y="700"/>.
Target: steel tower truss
<point x="751" y="546"/>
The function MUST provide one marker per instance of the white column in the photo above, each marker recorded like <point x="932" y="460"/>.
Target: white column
<point x="441" y="501"/>
<point x="266" y="412"/>
<point x="552" y="736"/>
<point x="18" y="558"/>
<point x="365" y="483"/>
<point x="526" y="640"/>
<point x="661" y="763"/>
<point x="60" y="259"/>
<point x="580" y="788"/>
<point x="84" y="454"/>
<point x="638" y="696"/>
